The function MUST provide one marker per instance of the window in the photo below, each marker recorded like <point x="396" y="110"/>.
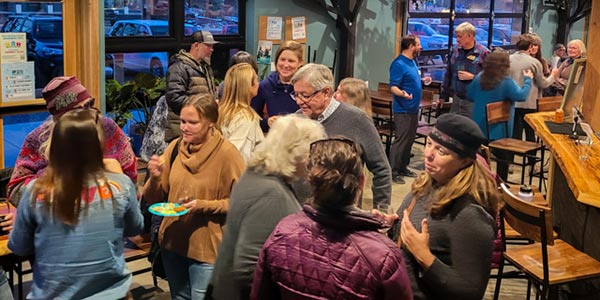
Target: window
<point x="498" y="23"/>
<point x="142" y="35"/>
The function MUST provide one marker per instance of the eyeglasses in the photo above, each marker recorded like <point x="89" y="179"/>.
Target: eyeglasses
<point x="304" y="98"/>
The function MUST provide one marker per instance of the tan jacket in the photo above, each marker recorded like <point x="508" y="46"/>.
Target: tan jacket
<point x="208" y="172"/>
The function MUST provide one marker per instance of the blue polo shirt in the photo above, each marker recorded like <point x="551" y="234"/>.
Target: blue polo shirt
<point x="404" y="74"/>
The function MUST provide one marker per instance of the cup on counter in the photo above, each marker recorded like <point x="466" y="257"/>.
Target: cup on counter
<point x="559" y="116"/>
<point x="583" y="147"/>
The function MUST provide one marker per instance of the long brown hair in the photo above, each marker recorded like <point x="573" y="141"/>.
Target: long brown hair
<point x="75" y="157"/>
<point x="474" y="181"/>
<point x="495" y="69"/>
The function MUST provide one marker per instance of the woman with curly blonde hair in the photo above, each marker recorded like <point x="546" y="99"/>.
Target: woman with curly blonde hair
<point x="262" y="197"/>
<point x="238" y="121"/>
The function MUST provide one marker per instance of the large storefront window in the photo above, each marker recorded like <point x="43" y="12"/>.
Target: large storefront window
<point x="43" y="26"/>
<point x="498" y="23"/>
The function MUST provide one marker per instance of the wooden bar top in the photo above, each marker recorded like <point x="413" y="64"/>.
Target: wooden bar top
<point x="583" y="177"/>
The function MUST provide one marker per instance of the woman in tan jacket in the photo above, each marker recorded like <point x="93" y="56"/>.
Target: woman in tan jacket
<point x="202" y="175"/>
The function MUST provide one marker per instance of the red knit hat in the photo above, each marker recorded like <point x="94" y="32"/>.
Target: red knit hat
<point x="63" y="94"/>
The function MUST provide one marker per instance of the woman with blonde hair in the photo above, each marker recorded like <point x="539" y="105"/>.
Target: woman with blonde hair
<point x="238" y="121"/>
<point x="356" y="92"/>
<point x="447" y="226"/>
<point x="262" y="197"/>
<point x="575" y="49"/>
<point x="74" y="217"/>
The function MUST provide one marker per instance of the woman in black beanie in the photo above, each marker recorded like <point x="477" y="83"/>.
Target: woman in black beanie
<point x="447" y="224"/>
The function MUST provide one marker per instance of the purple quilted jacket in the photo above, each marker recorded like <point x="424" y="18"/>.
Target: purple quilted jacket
<point x="316" y="255"/>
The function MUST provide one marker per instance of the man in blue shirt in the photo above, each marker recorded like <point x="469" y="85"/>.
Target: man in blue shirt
<point x="405" y="85"/>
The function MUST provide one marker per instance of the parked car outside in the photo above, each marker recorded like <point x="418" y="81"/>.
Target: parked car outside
<point x="155" y="63"/>
<point x="44" y="43"/>
<point x="430" y="38"/>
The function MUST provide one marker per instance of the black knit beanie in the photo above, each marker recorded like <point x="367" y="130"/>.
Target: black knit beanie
<point x="458" y="133"/>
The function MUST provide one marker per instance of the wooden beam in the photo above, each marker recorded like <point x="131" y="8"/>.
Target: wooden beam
<point x="591" y="97"/>
<point x="81" y="35"/>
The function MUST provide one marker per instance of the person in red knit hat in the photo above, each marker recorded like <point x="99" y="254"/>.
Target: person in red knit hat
<point x="63" y="94"/>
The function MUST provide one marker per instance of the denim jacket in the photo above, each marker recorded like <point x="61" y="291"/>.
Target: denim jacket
<point x="84" y="261"/>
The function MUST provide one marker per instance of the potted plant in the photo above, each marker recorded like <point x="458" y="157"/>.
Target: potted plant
<point x="133" y="101"/>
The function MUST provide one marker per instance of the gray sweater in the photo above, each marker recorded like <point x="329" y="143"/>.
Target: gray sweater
<point x="257" y="203"/>
<point x="354" y="124"/>
<point x="462" y="240"/>
<point x="520" y="61"/>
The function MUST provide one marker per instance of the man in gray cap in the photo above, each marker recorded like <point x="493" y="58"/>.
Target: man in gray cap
<point x="189" y="74"/>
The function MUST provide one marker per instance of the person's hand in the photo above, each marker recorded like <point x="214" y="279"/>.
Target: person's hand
<point x="388" y="219"/>
<point x="464" y="75"/>
<point x="7" y="224"/>
<point x="405" y="95"/>
<point x="528" y="73"/>
<point x="155" y="166"/>
<point x="554" y="73"/>
<point x="112" y="165"/>
<point x="190" y="204"/>
<point x="272" y="120"/>
<point x="417" y="243"/>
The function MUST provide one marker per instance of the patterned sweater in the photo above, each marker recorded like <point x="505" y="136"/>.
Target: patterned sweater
<point x="31" y="162"/>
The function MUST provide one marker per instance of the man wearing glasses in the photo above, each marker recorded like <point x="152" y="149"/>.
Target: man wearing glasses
<point x="189" y="74"/>
<point x="313" y="92"/>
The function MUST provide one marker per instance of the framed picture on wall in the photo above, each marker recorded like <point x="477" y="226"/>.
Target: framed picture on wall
<point x="574" y="88"/>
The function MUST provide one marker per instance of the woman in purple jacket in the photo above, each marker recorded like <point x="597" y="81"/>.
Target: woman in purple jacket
<point x="275" y="90"/>
<point x="331" y="250"/>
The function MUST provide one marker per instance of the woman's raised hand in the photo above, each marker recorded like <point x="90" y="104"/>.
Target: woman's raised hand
<point x="156" y="166"/>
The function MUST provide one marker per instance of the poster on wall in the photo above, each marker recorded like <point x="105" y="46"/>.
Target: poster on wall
<point x="274" y="28"/>
<point x="13" y="47"/>
<point x="298" y="28"/>
<point x="18" y="81"/>
<point x="264" y="51"/>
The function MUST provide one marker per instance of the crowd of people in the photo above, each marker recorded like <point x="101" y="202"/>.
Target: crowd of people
<point x="272" y="174"/>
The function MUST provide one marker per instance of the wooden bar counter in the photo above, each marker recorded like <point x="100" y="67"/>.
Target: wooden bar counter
<point x="573" y="188"/>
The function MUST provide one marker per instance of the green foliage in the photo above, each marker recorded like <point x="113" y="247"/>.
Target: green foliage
<point x="140" y="93"/>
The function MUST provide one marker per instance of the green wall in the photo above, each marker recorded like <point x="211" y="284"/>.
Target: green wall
<point x="322" y="33"/>
<point x="376" y="32"/>
<point x="544" y="23"/>
<point x="375" y="41"/>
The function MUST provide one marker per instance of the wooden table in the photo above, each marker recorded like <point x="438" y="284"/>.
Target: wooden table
<point x="582" y="177"/>
<point x="573" y="190"/>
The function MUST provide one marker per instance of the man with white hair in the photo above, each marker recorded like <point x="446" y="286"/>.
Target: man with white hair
<point x="313" y="92"/>
<point x="466" y="61"/>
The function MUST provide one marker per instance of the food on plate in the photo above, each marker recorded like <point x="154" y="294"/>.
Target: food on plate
<point x="167" y="208"/>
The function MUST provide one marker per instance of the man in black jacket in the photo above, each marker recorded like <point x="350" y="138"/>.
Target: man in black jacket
<point x="189" y="74"/>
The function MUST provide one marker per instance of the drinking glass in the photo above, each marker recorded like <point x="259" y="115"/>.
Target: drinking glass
<point x="427" y="78"/>
<point x="186" y="194"/>
<point x="584" y="148"/>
